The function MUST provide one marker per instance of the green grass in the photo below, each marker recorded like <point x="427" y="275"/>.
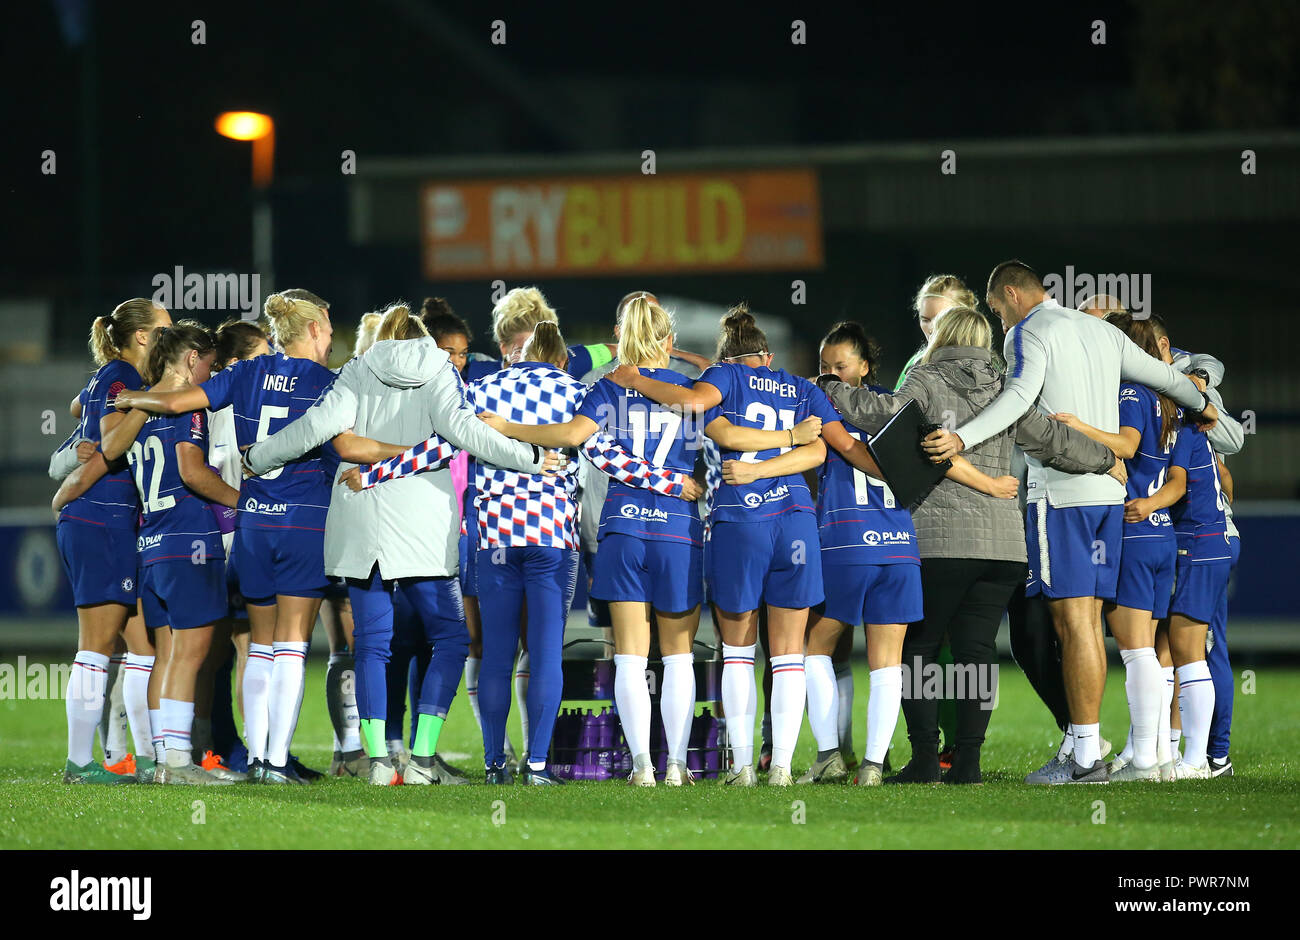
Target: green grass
<point x="1257" y="808"/>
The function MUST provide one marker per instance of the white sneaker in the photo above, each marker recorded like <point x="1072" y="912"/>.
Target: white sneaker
<point x="830" y="770"/>
<point x="1185" y="771"/>
<point x="1105" y="748"/>
<point x="744" y="777"/>
<point x="1167" y="772"/>
<point x="1054" y="771"/>
<point x="398" y="755"/>
<point x="780" y="776"/>
<point x="1128" y="772"/>
<point x="383" y="774"/>
<point x="678" y="775"/>
<point x="190" y="775"/>
<point x="642" y="778"/>
<point x="1117" y="764"/>
<point x="869" y="775"/>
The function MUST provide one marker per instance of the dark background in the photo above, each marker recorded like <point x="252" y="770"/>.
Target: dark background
<point x="126" y="100"/>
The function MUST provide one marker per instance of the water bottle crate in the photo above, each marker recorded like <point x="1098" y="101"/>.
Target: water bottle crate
<point x="590" y="746"/>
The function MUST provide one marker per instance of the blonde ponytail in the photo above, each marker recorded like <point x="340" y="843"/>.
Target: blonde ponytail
<point x="546" y="345"/>
<point x="519" y="311"/>
<point x="366" y="331"/>
<point x="109" y="334"/>
<point x="397" y="323"/>
<point x="644" y="327"/>
<point x="289" y="318"/>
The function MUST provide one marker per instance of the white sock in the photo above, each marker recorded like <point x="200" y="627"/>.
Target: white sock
<point x="156" y="735"/>
<point x="288" y="673"/>
<point x="84" y="704"/>
<point x="844" y="691"/>
<point x="177" y="723"/>
<point x="114" y="671"/>
<point x="118" y="730"/>
<point x="789" y="693"/>
<point x="1087" y="744"/>
<point x="823" y="701"/>
<point x="1067" y="744"/>
<point x="472" y="667"/>
<point x="632" y="697"/>
<point x="257" y="699"/>
<point x="1196" y="705"/>
<point x="884" y="700"/>
<point x="113" y="724"/>
<point x="739" y="701"/>
<point x="1164" y="754"/>
<point x="677" y="703"/>
<point x="1126" y="755"/>
<point x="351" y="714"/>
<point x="521" y="698"/>
<point x="1142" y="684"/>
<point x="135" y="697"/>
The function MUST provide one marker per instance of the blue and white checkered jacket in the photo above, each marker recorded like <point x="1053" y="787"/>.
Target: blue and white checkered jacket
<point x="522" y="509"/>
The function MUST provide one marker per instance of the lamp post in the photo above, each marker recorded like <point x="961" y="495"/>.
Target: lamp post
<point x="260" y="129"/>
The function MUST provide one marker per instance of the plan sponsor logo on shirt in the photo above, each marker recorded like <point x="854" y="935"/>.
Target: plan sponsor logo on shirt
<point x="643" y="513"/>
<point x="268" y="509"/>
<point x="147" y="541"/>
<point x="753" y="500"/>
<point x="873" y="537"/>
<point x="1160" y="517"/>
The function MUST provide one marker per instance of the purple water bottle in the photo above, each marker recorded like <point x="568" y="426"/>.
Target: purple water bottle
<point x="695" y="749"/>
<point x="603" y="768"/>
<point x="712" y="752"/>
<point x="587" y="740"/>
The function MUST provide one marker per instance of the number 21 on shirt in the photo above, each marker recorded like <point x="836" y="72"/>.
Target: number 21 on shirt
<point x="769" y="416"/>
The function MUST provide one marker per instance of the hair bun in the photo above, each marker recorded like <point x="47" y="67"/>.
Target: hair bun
<point x="277" y="306"/>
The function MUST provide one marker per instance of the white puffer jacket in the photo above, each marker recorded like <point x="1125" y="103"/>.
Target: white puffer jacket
<point x="399" y="392"/>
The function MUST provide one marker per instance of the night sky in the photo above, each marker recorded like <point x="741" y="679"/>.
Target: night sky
<point x="403" y="77"/>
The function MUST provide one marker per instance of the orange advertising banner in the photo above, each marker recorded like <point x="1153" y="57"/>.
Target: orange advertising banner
<point x="579" y="226"/>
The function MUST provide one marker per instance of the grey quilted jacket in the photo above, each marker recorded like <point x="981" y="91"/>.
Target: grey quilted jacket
<point x="955" y="521"/>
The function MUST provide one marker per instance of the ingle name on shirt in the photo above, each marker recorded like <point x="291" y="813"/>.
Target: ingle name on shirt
<point x="279" y="383"/>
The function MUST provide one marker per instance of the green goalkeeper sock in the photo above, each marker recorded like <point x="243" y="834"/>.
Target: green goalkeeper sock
<point x="372" y="735"/>
<point x="427" y="730"/>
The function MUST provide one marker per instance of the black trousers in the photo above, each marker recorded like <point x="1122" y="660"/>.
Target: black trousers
<point x="964" y="598"/>
<point x="1037" y="651"/>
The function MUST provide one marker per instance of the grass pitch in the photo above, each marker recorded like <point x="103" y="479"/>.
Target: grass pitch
<point x="1257" y="808"/>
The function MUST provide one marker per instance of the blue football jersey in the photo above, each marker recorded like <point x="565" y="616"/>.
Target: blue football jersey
<point x="175" y="518"/>
<point x="269" y="392"/>
<point x="1198" y="517"/>
<point x="771" y="400"/>
<point x="1139" y="408"/>
<point x="860" y="522"/>
<point x="658" y="435"/>
<point x="111" y="500"/>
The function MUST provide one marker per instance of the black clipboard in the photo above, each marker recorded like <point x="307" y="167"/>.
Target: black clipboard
<point x="897" y="451"/>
